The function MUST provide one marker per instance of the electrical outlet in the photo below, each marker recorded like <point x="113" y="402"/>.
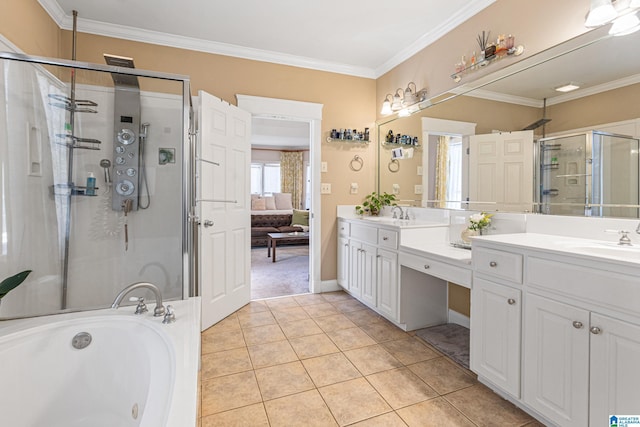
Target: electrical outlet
<point x="354" y="188"/>
<point x="419" y="172"/>
<point x="396" y="189"/>
<point x="325" y="188"/>
<point x="417" y="189"/>
<point x="323" y="167"/>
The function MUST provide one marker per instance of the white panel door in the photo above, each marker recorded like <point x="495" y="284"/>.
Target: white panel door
<point x="223" y="187"/>
<point x="368" y="287"/>
<point x="556" y="360"/>
<point x="615" y="373"/>
<point x="501" y="171"/>
<point x="343" y="262"/>
<point x="495" y="334"/>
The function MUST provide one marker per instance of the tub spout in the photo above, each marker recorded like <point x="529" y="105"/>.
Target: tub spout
<point x="158" y="311"/>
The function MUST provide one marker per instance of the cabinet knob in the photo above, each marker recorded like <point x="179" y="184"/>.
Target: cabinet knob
<point x="577" y="324"/>
<point x="378" y="256"/>
<point x="511" y="301"/>
<point x="385" y="238"/>
<point x="595" y="330"/>
<point x="346" y="244"/>
<point x="426" y="266"/>
<point x="493" y="264"/>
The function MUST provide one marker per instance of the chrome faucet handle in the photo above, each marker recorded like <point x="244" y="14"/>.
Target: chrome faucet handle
<point x="406" y="215"/>
<point x="169" y="316"/>
<point x="141" y="308"/>
<point x="624" y="238"/>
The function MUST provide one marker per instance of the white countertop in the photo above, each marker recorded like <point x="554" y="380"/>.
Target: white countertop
<point x="441" y="250"/>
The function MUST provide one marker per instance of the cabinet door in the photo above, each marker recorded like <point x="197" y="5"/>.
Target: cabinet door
<point x="343" y="262"/>
<point x="387" y="283"/>
<point x="556" y="360"/>
<point x="495" y="334"/>
<point x="356" y="261"/>
<point x="615" y="369"/>
<point x="368" y="284"/>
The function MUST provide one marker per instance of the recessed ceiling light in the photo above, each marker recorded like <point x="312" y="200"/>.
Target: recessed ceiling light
<point x="568" y="87"/>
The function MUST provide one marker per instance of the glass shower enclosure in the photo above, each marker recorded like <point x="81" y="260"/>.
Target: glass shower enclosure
<point x="592" y="174"/>
<point x="94" y="194"/>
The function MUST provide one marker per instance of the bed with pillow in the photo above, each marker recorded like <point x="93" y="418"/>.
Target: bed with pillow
<point x="275" y="214"/>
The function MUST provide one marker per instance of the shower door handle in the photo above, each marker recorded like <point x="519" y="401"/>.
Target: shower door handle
<point x="207" y="223"/>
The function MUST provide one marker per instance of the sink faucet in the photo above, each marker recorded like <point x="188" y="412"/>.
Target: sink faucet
<point x="393" y="211"/>
<point x="158" y="311"/>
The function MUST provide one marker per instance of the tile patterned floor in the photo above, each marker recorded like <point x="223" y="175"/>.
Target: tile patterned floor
<point x="327" y="360"/>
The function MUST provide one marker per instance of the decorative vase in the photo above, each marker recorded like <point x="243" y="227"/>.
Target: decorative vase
<point x="468" y="233"/>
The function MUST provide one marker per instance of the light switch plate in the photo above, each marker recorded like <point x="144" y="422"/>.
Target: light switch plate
<point x="396" y="189"/>
<point x="325" y="188"/>
<point x="354" y="188"/>
<point x="419" y="172"/>
<point x="323" y="167"/>
<point x="417" y="189"/>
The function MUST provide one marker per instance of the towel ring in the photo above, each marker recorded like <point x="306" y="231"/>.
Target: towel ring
<point x="356" y="163"/>
<point x="394" y="165"/>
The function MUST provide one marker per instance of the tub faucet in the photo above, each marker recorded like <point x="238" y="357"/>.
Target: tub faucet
<point x="158" y="311"/>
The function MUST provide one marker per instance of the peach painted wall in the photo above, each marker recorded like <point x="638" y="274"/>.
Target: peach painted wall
<point x="29" y="27"/>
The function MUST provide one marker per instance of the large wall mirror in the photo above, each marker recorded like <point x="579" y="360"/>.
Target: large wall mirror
<point x="510" y="141"/>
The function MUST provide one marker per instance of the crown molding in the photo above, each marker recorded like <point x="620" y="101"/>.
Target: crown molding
<point x="181" y="42"/>
<point x="432" y="36"/>
<point x="500" y="97"/>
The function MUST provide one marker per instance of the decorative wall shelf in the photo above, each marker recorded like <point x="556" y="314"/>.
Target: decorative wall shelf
<point x="354" y="141"/>
<point x="516" y="51"/>
<point x="396" y="145"/>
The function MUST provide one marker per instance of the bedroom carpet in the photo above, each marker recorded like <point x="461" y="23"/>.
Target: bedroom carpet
<point x="451" y="339"/>
<point x="289" y="275"/>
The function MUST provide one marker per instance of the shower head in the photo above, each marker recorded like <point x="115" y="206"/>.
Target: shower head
<point x="106" y="165"/>
<point x="123" y="62"/>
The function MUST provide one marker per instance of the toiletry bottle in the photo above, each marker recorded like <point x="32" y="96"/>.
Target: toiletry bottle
<point x="91" y="185"/>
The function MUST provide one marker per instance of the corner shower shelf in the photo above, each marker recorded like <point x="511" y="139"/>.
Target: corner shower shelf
<point x="551" y="165"/>
<point x="551" y="147"/>
<point x="77" y="106"/>
<point x="70" y="190"/>
<point x="77" y="142"/>
<point x="550" y="192"/>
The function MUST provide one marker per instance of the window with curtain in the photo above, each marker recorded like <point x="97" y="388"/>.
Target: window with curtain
<point x="292" y="168"/>
<point x="265" y="178"/>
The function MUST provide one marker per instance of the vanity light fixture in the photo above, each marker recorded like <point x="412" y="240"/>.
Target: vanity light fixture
<point x="397" y="103"/>
<point x="410" y="95"/>
<point x="386" y="105"/>
<point x="623" y="14"/>
<point x="567" y="87"/>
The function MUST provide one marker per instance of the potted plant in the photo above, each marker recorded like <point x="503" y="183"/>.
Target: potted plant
<point x="374" y="202"/>
<point x="12" y="282"/>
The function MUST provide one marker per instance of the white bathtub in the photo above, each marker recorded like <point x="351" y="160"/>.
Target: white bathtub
<point x="136" y="372"/>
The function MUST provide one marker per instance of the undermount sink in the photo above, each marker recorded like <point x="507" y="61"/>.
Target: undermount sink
<point x="606" y="249"/>
<point x="401" y="223"/>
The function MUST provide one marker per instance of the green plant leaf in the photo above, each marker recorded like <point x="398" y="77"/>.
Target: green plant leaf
<point x="12" y="282"/>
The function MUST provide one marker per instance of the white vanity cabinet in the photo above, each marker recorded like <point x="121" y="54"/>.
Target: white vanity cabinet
<point x="387" y="281"/>
<point x="576" y="318"/>
<point x="343" y="254"/>
<point x="496" y="307"/>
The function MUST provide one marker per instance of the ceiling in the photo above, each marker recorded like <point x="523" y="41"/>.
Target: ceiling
<point x="280" y="134"/>
<point x="357" y="37"/>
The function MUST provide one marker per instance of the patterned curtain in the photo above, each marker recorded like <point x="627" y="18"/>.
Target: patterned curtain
<point x="442" y="152"/>
<point x="291" y="175"/>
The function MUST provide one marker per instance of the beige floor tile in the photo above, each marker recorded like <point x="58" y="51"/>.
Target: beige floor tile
<point x="251" y="320"/>
<point x="222" y="340"/>
<point x="348" y="305"/>
<point x="390" y="419"/>
<point x="228" y="323"/>
<point x="270" y="354"/>
<point x="434" y="412"/>
<point x="401" y="387"/>
<point x="303" y="409"/>
<point x="409" y="350"/>
<point x="313" y="346"/>
<point x="534" y="423"/>
<point x="254" y="307"/>
<point x="330" y="369"/>
<point x="334" y="322"/>
<point x="300" y="328"/>
<point x="337" y="296"/>
<point x="281" y="303"/>
<point x="363" y="317"/>
<point x="263" y="334"/>
<point x="347" y="339"/>
<point x="252" y="415"/>
<point x="443" y="375"/>
<point x="371" y="359"/>
<point x="353" y="401"/>
<point x="230" y="392"/>
<point x="283" y="380"/>
<point x="225" y="363"/>
<point x="310" y="299"/>
<point x="485" y="408"/>
<point x="384" y="331"/>
<point x="319" y="310"/>
<point x="290" y="314"/>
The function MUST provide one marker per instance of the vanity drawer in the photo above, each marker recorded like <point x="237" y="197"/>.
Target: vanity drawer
<point x="364" y="233"/>
<point x="387" y="238"/>
<point x="504" y="265"/>
<point x="451" y="273"/>
<point x="343" y="228"/>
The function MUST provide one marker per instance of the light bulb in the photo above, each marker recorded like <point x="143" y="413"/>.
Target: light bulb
<point x="601" y="12"/>
<point x="626" y="24"/>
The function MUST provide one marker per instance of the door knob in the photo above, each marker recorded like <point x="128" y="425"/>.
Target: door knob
<point x="207" y="223"/>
